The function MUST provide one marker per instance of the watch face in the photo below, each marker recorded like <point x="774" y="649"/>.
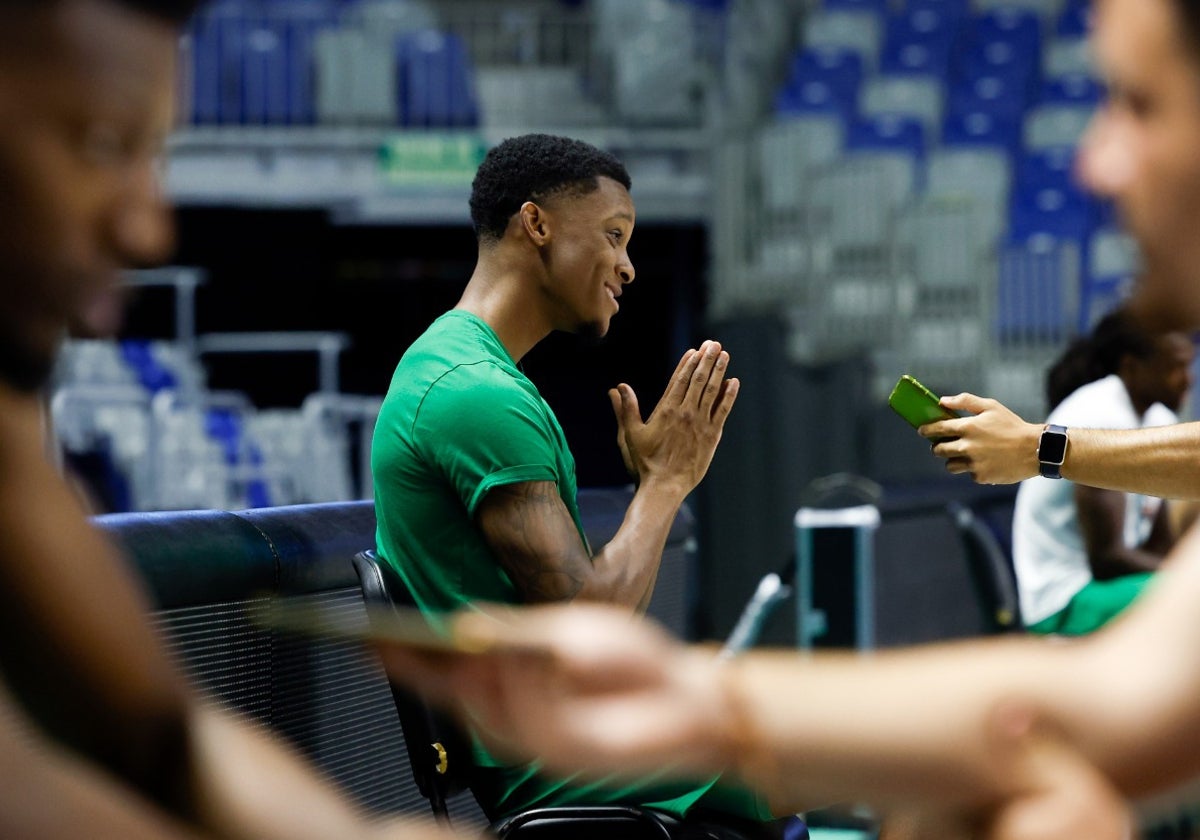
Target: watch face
<point x="1053" y="447"/>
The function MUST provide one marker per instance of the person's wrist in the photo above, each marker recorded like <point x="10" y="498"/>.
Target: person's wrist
<point x="744" y="750"/>
<point x="1033" y="439"/>
<point x="670" y="487"/>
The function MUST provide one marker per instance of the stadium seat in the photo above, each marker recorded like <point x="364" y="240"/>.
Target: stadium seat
<point x="861" y="32"/>
<point x="887" y="132"/>
<point x="911" y="96"/>
<point x="1056" y="125"/>
<point x="980" y="129"/>
<point x="995" y="94"/>
<point x="1074" y="89"/>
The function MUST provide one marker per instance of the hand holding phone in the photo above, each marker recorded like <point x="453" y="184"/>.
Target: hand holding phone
<point x="916" y="403"/>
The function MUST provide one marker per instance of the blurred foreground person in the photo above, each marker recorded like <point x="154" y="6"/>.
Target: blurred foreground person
<point x="100" y="735"/>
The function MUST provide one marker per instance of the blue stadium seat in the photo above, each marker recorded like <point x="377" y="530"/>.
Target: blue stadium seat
<point x="956" y="10"/>
<point x="1053" y="167"/>
<point x="1061" y="213"/>
<point x="1075" y="89"/>
<point x="887" y="132"/>
<point x="916" y="57"/>
<point x="972" y="129"/>
<point x="1073" y="21"/>
<point x="999" y="95"/>
<point x="878" y="6"/>
<point x="265" y="71"/>
<point x="435" y="81"/>
<point x="1006" y="59"/>
<point x="152" y="375"/>
<point x="1038" y="291"/>
<point x="840" y="68"/>
<point x="812" y="98"/>
<point x="822" y="80"/>
<point x="301" y="21"/>
<point x="1012" y="25"/>
<point x="919" y="41"/>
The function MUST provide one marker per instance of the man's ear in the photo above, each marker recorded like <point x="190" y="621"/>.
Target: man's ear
<point x="535" y="223"/>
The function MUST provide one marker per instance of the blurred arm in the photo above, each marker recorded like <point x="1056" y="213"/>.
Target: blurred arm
<point x="1101" y="515"/>
<point x="77" y="648"/>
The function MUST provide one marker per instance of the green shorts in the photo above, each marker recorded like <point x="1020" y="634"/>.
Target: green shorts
<point x="1094" y="606"/>
<point x="505" y="790"/>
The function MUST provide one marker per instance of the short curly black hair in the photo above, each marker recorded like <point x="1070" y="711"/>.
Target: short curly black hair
<point x="530" y="168"/>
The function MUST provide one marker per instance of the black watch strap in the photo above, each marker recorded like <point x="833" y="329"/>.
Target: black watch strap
<point x="1052" y="450"/>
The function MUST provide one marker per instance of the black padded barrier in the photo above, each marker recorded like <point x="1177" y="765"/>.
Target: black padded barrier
<point x="205" y="571"/>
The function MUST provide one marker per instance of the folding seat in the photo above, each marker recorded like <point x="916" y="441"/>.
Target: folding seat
<point x="1063" y="214"/>
<point x="436" y="83"/>
<point x="920" y="41"/>
<point x="1038" y="284"/>
<point x="912" y="96"/>
<point x="821" y="80"/>
<point x="1009" y="24"/>
<point x="888" y="132"/>
<point x="981" y="176"/>
<point x="971" y="129"/>
<point x="1073" y="21"/>
<point x="995" y="94"/>
<point x="1048" y="126"/>
<point x="1052" y="167"/>
<point x="859" y="31"/>
<point x="788" y="147"/>
<point x="1067" y="57"/>
<point x="1076" y="89"/>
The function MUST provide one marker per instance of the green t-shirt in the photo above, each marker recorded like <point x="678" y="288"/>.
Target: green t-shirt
<point x="460" y="419"/>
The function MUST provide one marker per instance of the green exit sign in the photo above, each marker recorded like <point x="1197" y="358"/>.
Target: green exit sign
<point x="431" y="158"/>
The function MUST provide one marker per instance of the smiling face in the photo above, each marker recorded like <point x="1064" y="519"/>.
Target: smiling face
<point x="586" y="257"/>
<point x="1143" y="149"/>
<point x="86" y="91"/>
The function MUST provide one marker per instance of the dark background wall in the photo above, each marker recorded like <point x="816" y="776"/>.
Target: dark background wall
<point x="292" y="270"/>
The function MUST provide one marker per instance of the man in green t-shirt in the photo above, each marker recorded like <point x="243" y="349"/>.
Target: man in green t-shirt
<point x="474" y="482"/>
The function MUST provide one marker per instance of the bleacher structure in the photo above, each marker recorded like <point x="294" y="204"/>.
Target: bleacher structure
<point x="894" y="177"/>
<point x="912" y="195"/>
<point x="137" y="421"/>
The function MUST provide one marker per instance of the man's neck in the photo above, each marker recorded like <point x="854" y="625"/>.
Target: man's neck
<point x="501" y="295"/>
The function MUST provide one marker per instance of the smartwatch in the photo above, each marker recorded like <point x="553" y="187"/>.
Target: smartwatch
<point x="1052" y="450"/>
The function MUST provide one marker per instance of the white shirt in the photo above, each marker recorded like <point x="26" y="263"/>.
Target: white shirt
<point x="1048" y="551"/>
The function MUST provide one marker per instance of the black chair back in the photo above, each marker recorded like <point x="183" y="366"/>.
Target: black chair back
<point x="439" y="753"/>
<point x="991" y="570"/>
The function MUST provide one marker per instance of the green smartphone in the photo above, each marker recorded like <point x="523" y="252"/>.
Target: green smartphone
<point x="916" y="403"/>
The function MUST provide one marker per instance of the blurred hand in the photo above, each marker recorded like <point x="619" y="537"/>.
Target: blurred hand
<point x="566" y="681"/>
<point x="995" y="445"/>
<point x="1064" y="796"/>
<point x="674" y="447"/>
<point x="1058" y="795"/>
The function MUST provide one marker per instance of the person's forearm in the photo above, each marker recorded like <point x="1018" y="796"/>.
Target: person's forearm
<point x="915" y="724"/>
<point x="1123" y="561"/>
<point x="626" y="569"/>
<point x="247" y="785"/>
<point x="893" y="730"/>
<point x="1162" y="461"/>
<point x="47" y="793"/>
